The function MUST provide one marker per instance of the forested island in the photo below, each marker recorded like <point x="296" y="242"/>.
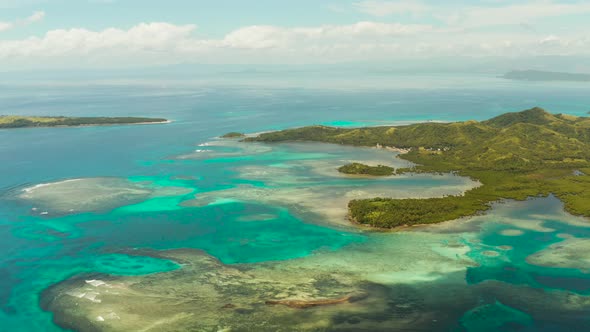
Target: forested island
<point x="539" y="75"/>
<point x="362" y="169"/>
<point x="233" y="134"/>
<point x="514" y="156"/>
<point x="15" y="121"/>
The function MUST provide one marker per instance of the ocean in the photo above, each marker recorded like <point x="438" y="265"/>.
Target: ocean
<point x="141" y="190"/>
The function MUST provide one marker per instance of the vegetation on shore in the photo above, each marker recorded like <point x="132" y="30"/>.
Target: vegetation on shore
<point x="540" y="75"/>
<point x="233" y="134"/>
<point x="14" y="121"/>
<point x="362" y="169"/>
<point x="514" y="156"/>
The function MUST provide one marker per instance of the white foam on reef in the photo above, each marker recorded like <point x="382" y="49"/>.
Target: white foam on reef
<point x="91" y="296"/>
<point x="96" y="283"/>
<point x="76" y="293"/>
<point x="41" y="185"/>
<point x="243" y="149"/>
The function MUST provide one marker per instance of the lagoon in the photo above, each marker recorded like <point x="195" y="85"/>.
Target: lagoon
<point x="229" y="210"/>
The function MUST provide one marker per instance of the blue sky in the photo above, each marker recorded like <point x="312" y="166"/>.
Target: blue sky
<point x="111" y="33"/>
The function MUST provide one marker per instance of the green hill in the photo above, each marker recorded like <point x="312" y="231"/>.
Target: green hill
<point x="536" y="116"/>
<point x="515" y="156"/>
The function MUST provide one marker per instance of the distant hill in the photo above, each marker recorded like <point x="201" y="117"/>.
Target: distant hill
<point x="539" y="75"/>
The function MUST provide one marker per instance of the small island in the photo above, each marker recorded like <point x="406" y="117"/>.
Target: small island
<point x="362" y="169"/>
<point x="539" y="75"/>
<point x="514" y="156"/>
<point x="15" y="121"/>
<point x="233" y="134"/>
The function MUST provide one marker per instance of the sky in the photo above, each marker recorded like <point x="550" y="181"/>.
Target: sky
<point x="49" y="34"/>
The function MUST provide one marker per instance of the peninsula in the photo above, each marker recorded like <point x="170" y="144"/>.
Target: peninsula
<point x="15" y="121"/>
<point x="539" y="75"/>
<point x="233" y="134"/>
<point x="514" y="156"/>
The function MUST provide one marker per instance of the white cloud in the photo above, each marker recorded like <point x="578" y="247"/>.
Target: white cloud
<point x="256" y="37"/>
<point x="264" y="37"/>
<point x="6" y="26"/>
<point x="159" y="37"/>
<point x="165" y="43"/>
<point x="35" y="17"/>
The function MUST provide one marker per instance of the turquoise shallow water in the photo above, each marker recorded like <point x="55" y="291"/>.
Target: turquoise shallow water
<point x="40" y="250"/>
<point x="512" y="266"/>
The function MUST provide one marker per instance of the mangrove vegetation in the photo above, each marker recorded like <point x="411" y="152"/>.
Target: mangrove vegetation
<point x="514" y="156"/>
<point x="362" y="169"/>
<point x="233" y="134"/>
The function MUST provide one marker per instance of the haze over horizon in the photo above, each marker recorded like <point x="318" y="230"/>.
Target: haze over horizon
<point x="41" y="35"/>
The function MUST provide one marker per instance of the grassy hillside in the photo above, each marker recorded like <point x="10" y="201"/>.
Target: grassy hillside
<point x="13" y="121"/>
<point x="514" y="156"/>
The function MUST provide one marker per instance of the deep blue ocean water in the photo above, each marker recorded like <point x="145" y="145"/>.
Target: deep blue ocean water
<point x="40" y="250"/>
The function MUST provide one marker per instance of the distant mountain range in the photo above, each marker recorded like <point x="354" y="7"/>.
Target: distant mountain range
<point x="539" y="75"/>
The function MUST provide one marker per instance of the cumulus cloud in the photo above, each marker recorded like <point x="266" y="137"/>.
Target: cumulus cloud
<point x="142" y="37"/>
<point x="5" y="26"/>
<point x="261" y="37"/>
<point x="35" y="17"/>
<point x="165" y="43"/>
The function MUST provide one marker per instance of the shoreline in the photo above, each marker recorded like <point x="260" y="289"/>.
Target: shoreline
<point x="93" y="125"/>
<point x="481" y="150"/>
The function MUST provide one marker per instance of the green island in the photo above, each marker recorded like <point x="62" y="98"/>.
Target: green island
<point x="514" y="156"/>
<point x="15" y="121"/>
<point x="540" y="75"/>
<point x="362" y="169"/>
<point x="233" y="134"/>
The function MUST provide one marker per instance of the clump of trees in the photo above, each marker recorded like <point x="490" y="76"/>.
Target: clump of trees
<point x="362" y="169"/>
<point x="233" y="134"/>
